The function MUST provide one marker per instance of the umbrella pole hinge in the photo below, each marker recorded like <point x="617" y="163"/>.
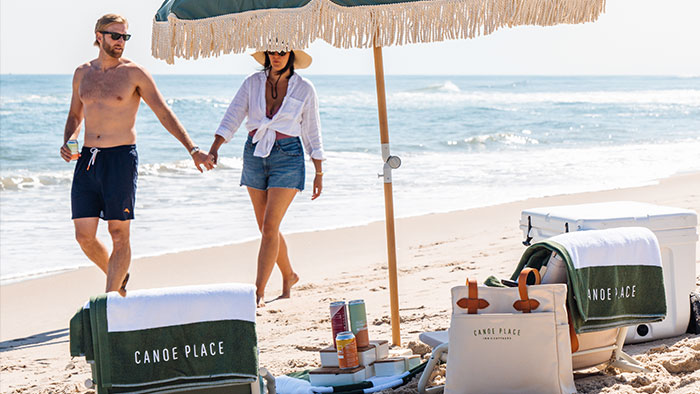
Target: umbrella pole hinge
<point x="390" y="163"/>
<point x="386" y="173"/>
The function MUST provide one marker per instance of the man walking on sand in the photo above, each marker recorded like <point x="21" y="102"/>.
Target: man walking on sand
<point x="107" y="92"/>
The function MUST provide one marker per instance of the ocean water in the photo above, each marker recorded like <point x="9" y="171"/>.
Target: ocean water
<point x="464" y="142"/>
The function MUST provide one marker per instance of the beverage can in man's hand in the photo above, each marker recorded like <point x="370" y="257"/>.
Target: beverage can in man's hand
<point x="73" y="146"/>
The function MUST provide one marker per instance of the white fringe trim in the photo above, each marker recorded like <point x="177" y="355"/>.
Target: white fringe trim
<point x="359" y="27"/>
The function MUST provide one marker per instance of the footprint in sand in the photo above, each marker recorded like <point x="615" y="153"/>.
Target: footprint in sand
<point x="307" y="348"/>
<point x="296" y="364"/>
<point x="383" y="320"/>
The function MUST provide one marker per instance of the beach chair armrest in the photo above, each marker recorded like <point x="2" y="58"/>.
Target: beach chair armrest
<point x="434" y="338"/>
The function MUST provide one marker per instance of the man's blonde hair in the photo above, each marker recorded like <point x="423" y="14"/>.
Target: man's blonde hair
<point x="107" y="20"/>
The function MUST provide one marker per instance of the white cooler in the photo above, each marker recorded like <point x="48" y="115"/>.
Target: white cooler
<point x="675" y="229"/>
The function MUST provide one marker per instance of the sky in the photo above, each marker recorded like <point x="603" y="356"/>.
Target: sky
<point x="632" y="37"/>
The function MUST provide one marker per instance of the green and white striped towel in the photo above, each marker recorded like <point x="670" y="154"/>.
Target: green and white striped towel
<point x="194" y="336"/>
<point x="615" y="276"/>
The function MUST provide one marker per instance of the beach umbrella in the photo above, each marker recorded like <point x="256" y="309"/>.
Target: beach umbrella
<point x="202" y="28"/>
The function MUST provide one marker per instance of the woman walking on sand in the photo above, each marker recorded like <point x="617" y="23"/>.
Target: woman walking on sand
<point x="281" y="107"/>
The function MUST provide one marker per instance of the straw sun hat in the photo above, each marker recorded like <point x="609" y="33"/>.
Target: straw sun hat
<point x="301" y="58"/>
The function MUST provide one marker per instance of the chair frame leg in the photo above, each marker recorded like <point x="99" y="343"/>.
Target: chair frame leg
<point x="269" y="380"/>
<point x="439" y="355"/>
<point x="622" y="360"/>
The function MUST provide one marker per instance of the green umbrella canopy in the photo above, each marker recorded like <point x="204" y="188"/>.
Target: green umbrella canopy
<point x="202" y="28"/>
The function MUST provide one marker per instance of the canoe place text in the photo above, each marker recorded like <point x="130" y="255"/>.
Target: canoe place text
<point x="612" y="293"/>
<point x="174" y="353"/>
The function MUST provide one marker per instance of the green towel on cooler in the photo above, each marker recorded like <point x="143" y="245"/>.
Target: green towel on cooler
<point x="614" y="276"/>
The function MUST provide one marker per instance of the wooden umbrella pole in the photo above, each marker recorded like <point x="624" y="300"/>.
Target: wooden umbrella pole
<point x="388" y="199"/>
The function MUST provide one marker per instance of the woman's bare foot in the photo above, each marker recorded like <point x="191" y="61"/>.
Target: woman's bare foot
<point x="287" y="285"/>
<point x="259" y="302"/>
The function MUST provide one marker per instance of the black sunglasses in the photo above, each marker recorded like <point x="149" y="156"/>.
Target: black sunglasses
<point x="279" y="53"/>
<point x="117" y="36"/>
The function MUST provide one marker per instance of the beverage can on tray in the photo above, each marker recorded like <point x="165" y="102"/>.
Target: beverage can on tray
<point x="339" y="319"/>
<point x="358" y="322"/>
<point x="347" y="350"/>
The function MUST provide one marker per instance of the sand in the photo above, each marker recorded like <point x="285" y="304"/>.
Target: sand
<point x="435" y="252"/>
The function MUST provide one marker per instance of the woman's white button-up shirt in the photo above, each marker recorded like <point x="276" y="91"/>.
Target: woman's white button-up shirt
<point x="297" y="116"/>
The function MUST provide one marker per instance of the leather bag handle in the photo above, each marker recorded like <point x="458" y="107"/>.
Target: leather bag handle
<point x="473" y="303"/>
<point x="526" y="304"/>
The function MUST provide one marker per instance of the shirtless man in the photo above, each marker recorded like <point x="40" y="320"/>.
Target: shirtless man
<point x="107" y="92"/>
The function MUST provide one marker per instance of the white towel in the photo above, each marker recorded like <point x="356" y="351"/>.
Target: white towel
<point x="612" y="247"/>
<point x="173" y="306"/>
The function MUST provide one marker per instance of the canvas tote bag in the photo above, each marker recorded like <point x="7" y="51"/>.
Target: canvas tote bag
<point x="509" y="340"/>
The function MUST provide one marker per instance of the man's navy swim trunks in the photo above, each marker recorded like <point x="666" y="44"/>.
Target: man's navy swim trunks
<point x="104" y="183"/>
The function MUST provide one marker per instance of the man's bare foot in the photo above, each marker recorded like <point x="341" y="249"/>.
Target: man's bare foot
<point x="287" y="285"/>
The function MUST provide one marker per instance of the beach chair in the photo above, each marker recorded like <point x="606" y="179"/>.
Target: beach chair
<point x="614" y="279"/>
<point x="192" y="339"/>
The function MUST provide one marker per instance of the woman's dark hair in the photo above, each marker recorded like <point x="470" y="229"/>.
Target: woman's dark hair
<point x="290" y="64"/>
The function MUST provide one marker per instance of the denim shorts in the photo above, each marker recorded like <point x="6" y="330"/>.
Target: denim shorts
<point x="284" y="167"/>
